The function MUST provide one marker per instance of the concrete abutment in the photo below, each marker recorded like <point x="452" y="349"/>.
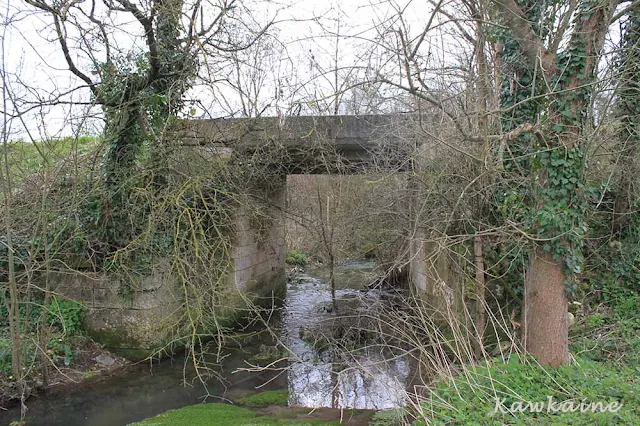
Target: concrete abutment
<point x="138" y="323"/>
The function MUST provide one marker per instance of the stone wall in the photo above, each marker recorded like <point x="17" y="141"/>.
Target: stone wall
<point x="129" y="319"/>
<point x="135" y="319"/>
<point x="259" y="251"/>
<point x="434" y="278"/>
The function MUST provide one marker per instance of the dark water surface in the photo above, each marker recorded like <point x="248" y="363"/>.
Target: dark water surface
<point x="134" y="394"/>
<point x="366" y="379"/>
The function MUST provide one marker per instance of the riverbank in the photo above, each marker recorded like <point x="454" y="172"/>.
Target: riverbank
<point x="86" y="361"/>
<point x="272" y="415"/>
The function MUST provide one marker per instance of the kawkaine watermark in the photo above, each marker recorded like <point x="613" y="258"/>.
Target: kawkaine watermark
<point x="553" y="406"/>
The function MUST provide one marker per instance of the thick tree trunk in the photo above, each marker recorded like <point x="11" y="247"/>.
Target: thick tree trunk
<point x="545" y="306"/>
<point x="545" y="311"/>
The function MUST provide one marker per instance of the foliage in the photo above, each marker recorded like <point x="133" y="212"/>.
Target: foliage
<point x="5" y="355"/>
<point x="393" y="417"/>
<point x="65" y="315"/>
<point x="224" y="415"/>
<point x="28" y="352"/>
<point x="296" y="257"/>
<point x="471" y="396"/>
<point x="59" y="348"/>
<point x="609" y="329"/>
<point x="65" y="318"/>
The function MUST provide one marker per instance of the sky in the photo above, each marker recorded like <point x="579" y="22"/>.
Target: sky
<point x="294" y="67"/>
<point x="294" y="63"/>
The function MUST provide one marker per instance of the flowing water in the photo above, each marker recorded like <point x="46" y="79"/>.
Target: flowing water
<point x="367" y="377"/>
<point x="357" y="379"/>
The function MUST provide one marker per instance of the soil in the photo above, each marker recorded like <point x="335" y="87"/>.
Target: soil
<point x="83" y="369"/>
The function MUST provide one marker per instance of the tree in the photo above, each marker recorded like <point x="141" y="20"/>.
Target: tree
<point x="547" y="57"/>
<point x="139" y="88"/>
<point x="627" y="107"/>
<point x="563" y="82"/>
<point x="6" y="187"/>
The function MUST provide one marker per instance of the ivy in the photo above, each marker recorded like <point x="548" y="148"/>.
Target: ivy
<point x="548" y="201"/>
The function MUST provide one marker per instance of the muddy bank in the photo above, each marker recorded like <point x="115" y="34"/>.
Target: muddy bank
<point x="90" y="362"/>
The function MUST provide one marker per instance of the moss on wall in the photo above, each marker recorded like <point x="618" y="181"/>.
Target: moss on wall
<point x="120" y="341"/>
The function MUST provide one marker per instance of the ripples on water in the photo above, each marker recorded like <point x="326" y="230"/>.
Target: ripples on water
<point x="364" y="379"/>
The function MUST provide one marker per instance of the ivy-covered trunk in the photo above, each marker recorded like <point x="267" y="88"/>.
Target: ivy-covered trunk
<point x="557" y="203"/>
<point x="138" y="107"/>
<point x="124" y="138"/>
<point x="626" y="186"/>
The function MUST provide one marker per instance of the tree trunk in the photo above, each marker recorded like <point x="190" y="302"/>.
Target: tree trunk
<point x="545" y="305"/>
<point x="332" y="281"/>
<point x="480" y="314"/>
<point x="544" y="321"/>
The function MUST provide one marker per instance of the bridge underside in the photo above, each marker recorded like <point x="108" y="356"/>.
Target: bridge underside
<point x="327" y="145"/>
<point x="310" y="145"/>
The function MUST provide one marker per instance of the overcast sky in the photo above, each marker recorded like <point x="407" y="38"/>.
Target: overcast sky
<point x="298" y="71"/>
<point x="295" y="64"/>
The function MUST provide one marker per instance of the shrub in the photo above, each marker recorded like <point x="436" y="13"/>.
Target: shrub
<point x="296" y="257"/>
<point x="5" y="355"/>
<point x="65" y="315"/>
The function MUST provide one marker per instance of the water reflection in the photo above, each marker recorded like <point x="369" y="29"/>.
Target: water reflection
<point x="366" y="379"/>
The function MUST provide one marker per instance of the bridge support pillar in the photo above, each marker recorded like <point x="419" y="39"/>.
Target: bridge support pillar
<point x="259" y="247"/>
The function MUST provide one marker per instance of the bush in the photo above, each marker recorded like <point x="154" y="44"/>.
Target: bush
<point x="471" y="398"/>
<point x="611" y="331"/>
<point x="296" y="257"/>
<point x="66" y="315"/>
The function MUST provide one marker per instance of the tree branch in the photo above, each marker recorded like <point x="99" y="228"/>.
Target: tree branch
<point x="152" y="44"/>
<point x="633" y="6"/>
<point x="530" y="44"/>
<point x="67" y="56"/>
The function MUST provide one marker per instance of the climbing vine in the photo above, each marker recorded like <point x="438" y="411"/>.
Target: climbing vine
<point x="555" y="97"/>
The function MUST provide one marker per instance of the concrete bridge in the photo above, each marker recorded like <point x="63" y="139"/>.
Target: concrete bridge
<point x="310" y="145"/>
<point x="293" y="145"/>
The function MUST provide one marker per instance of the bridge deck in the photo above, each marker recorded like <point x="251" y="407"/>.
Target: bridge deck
<point x="311" y="144"/>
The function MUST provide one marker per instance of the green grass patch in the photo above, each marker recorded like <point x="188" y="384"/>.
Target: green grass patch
<point x="471" y="397"/>
<point x="220" y="415"/>
<point x="26" y="158"/>
<point x="393" y="417"/>
<point x="263" y="399"/>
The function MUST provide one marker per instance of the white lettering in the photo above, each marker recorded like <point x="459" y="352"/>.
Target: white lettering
<point x="499" y="407"/>
<point x="569" y="405"/>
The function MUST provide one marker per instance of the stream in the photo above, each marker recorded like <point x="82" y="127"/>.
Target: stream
<point x="317" y="375"/>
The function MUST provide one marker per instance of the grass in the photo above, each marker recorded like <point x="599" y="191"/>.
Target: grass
<point x="27" y="158"/>
<point x="263" y="399"/>
<point x="220" y="415"/>
<point x="471" y="397"/>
